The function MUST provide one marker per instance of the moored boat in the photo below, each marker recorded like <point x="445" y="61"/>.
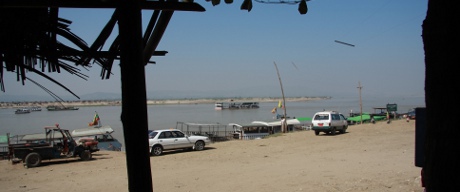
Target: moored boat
<point x="261" y="129"/>
<point x="35" y="108"/>
<point x="22" y="111"/>
<point x="236" y="105"/>
<point x="60" y="108"/>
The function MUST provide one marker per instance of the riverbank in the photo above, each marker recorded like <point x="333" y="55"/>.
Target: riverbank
<point x="368" y="157"/>
<point x="154" y="101"/>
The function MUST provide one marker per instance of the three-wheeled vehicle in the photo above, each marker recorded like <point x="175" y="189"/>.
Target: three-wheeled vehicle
<point x="56" y="143"/>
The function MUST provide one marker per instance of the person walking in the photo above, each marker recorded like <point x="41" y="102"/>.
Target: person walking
<point x="388" y="117"/>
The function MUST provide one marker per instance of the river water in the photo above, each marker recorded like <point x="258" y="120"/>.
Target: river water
<point x="167" y="116"/>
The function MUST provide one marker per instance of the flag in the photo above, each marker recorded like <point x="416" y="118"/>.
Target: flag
<point x="95" y="120"/>
<point x="280" y="104"/>
<point x="274" y="110"/>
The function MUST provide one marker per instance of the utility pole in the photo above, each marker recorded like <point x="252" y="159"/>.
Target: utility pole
<point x="360" y="101"/>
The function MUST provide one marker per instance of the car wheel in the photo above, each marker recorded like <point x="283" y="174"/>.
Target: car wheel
<point x="342" y="131"/>
<point x="333" y="131"/>
<point x="85" y="155"/>
<point x="33" y="160"/>
<point x="156" y="150"/>
<point x="199" y="145"/>
<point x="316" y="132"/>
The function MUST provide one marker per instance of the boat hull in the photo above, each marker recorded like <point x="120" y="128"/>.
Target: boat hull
<point x="22" y="111"/>
<point x="233" y="105"/>
<point x="57" y="108"/>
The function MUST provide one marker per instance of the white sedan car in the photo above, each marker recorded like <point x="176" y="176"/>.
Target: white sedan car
<point x="172" y="139"/>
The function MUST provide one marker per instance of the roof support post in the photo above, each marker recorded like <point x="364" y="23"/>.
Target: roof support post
<point x="134" y="97"/>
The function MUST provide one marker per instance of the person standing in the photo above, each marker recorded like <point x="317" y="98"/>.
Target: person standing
<point x="388" y="117"/>
<point x="283" y="124"/>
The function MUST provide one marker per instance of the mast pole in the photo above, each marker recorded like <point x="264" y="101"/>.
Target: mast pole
<point x="283" y="126"/>
<point x="360" y="101"/>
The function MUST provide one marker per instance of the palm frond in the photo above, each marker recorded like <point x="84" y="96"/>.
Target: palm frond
<point x="29" y="42"/>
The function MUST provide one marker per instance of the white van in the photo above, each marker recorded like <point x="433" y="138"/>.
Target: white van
<point x="329" y="122"/>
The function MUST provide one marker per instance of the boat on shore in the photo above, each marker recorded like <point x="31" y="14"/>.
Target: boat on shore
<point x="94" y="132"/>
<point x="215" y="131"/>
<point x="22" y="111"/>
<point x="236" y="105"/>
<point x="101" y="134"/>
<point x="261" y="129"/>
<point x="60" y="108"/>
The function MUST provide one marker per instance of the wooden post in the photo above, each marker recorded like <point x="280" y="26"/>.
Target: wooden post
<point x="134" y="105"/>
<point x="283" y="125"/>
<point x="360" y="102"/>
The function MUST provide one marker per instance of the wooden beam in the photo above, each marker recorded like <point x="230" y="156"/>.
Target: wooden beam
<point x="98" y="54"/>
<point x="155" y="37"/>
<point x="148" y="5"/>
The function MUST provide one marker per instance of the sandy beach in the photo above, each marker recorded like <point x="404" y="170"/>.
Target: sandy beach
<point x="368" y="157"/>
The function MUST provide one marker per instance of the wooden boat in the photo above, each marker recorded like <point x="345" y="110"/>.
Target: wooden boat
<point x="261" y="129"/>
<point x="60" y="108"/>
<point x="102" y="134"/>
<point x="35" y="109"/>
<point x="236" y="105"/>
<point x="366" y="118"/>
<point x="22" y="111"/>
<point x="207" y="129"/>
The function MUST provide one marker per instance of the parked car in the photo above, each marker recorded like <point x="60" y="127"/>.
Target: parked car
<point x="172" y="139"/>
<point x="150" y="131"/>
<point x="329" y="122"/>
<point x="411" y="114"/>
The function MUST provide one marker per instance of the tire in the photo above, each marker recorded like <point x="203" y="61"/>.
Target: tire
<point x="199" y="145"/>
<point x="316" y="132"/>
<point x="157" y="150"/>
<point x="85" y="155"/>
<point x="32" y="160"/>
<point x="333" y="131"/>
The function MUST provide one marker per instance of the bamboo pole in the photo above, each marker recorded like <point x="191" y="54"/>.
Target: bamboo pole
<point x="284" y="125"/>
<point x="360" y="101"/>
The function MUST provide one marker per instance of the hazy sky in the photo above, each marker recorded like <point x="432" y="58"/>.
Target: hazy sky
<point x="227" y="49"/>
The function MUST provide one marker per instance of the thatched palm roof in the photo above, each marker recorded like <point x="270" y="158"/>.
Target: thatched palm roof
<point x="30" y="30"/>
